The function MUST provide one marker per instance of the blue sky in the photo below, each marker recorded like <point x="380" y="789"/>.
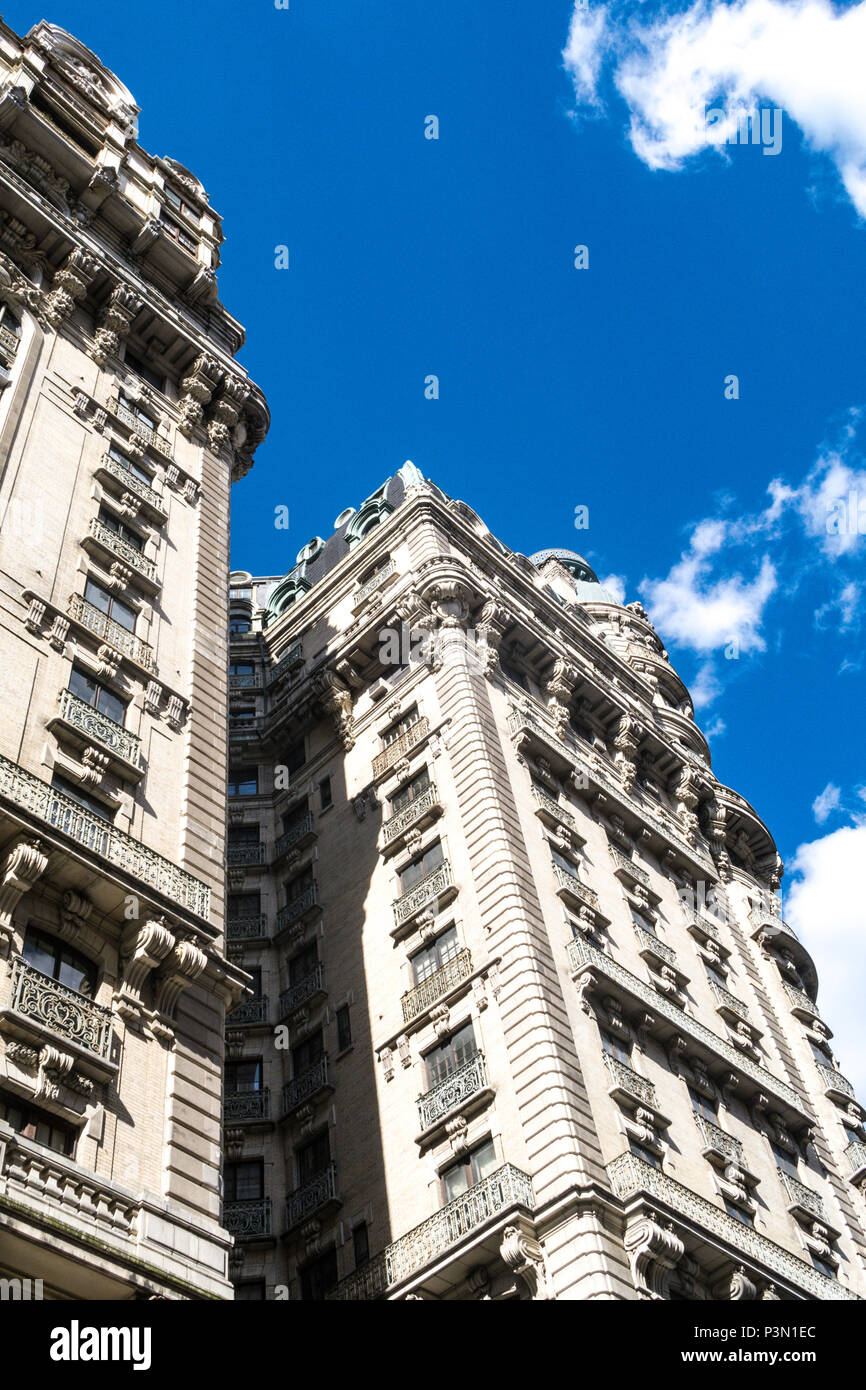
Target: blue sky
<point x="559" y="387"/>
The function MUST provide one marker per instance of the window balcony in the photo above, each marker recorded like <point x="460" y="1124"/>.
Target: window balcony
<point x="250" y="855"/>
<point x="100" y="837"/>
<point x="530" y="734"/>
<point x="626" y="868"/>
<point x="803" y="1202"/>
<point x="299" y="908"/>
<point x="630" y="1176"/>
<point x="702" y="927"/>
<point x="718" y="1144"/>
<point x="142" y="427"/>
<point x="856" y="1155"/>
<point x="549" y="810"/>
<point x="114" y="469"/>
<point x="627" y="1085"/>
<point x="320" y="1192"/>
<point x="249" y="1013"/>
<point x="102" y="535"/>
<point x="84" y="724"/>
<point x="248" y="1220"/>
<point x="249" y="680"/>
<point x="295" y="837"/>
<point x="400" y="747"/>
<point x="247" y="928"/>
<point x="727" y="1004"/>
<point x="467" y="1083"/>
<point x="305" y="990"/>
<point x="432" y="890"/>
<point x="640" y="998"/>
<point x="835" y="1085"/>
<point x="376" y="581"/>
<point x="436" y="986"/>
<point x="240" y="1107"/>
<point x="420" y="812"/>
<point x="293" y="658"/>
<point x="573" y="890"/>
<point x="42" y="1005"/>
<point x="801" y="1005"/>
<point x="500" y="1193"/>
<point x="9" y="342"/>
<point x="310" y="1083"/>
<point x="652" y="949"/>
<point x="111" y="632"/>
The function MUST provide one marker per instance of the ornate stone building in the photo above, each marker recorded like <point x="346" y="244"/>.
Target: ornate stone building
<point x="123" y="420"/>
<point x="527" y="1020"/>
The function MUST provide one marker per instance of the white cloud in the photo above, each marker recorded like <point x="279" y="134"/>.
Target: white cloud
<point x="616" y="584"/>
<point x="705" y="613"/>
<point x="825" y="802"/>
<point x="715" y="728"/>
<point x="843" y="611"/>
<point x="802" y="56"/>
<point x="826" y="906"/>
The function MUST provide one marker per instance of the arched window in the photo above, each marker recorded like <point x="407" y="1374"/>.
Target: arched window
<point x="61" y="962"/>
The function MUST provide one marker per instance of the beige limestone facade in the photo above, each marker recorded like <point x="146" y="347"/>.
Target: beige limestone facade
<point x="528" y="1020"/>
<point x="123" y="421"/>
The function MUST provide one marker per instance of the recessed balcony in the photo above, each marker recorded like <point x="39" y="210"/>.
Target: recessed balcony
<point x="248" y="1220"/>
<point x="81" y="724"/>
<point x="311" y="987"/>
<point x="41" y="1009"/>
<point x="103" y="538"/>
<point x="400" y="746"/>
<point x="99" y="837"/>
<point x="311" y="1083"/>
<point x="446" y="1232"/>
<point x="432" y="891"/>
<point x="300" y="834"/>
<point x="466" y="1088"/>
<point x="441" y="982"/>
<point x="111" y="632"/>
<point x="113" y="470"/>
<point x="319" y="1192"/>
<point x="298" y="910"/>
<point x="244" y="1107"/>
<point x="418" y="814"/>
<point x="247" y="928"/>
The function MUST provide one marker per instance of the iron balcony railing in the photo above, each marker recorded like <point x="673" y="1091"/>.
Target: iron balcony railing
<point x="856" y="1155"/>
<point x="805" y="1198"/>
<point x="508" y="1187"/>
<point x="315" y="1194"/>
<point x="297" y="994"/>
<point x="373" y="583"/>
<point x="142" y="427"/>
<point x="699" y="924"/>
<point x="309" y="1083"/>
<point x="246" y="1105"/>
<point x="464" y="1082"/>
<point x="111" y="632"/>
<point x="427" y="890"/>
<point x="416" y="1000"/>
<point x="123" y="550"/>
<point x="625" y="1078"/>
<point x="622" y="863"/>
<point x="576" y="887"/>
<point x="400" y="747"/>
<point x="295" y="909"/>
<point x="79" y="715"/>
<point x="101" y="838"/>
<point x="421" y="806"/>
<point x="8" y="342"/>
<point x="62" y="1010"/>
<point x="650" y="943"/>
<point x="835" y="1083"/>
<point x="719" y="1141"/>
<point x="249" y="1219"/>
<point x="725" y="1000"/>
<point x="247" y="681"/>
<point x="292" y="658"/>
<point x="250" y="1011"/>
<point x="293" y="836"/>
<point x="549" y="803"/>
<point x="801" y="1004"/>
<point x="246" y="854"/>
<point x="137" y="486"/>
<point x="247" y="928"/>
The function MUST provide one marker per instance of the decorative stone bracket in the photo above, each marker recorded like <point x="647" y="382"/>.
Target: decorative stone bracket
<point x="523" y="1256"/>
<point x="654" y="1252"/>
<point x="20" y="868"/>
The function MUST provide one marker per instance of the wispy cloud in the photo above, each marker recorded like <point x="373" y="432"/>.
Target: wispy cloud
<point x="826" y="801"/>
<point x="802" y="56"/>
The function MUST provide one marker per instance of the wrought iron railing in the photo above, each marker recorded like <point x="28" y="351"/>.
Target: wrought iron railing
<point x="647" y="941"/>
<point x="305" y="1200"/>
<point x="246" y="1105"/>
<point x="719" y="1140"/>
<point x="629" y="1175"/>
<point x="625" y="864"/>
<point x="398" y="749"/>
<point x="582" y="953"/>
<point x="250" y="1011"/>
<point x="373" y="583"/>
<point x="247" y="928"/>
<point x="104" y="731"/>
<point x="421" y="806"/>
<point x="416" y="1000"/>
<point x="293" y="657"/>
<point x="800" y="1001"/>
<point x="300" y="1088"/>
<point x="246" y="854"/>
<point x="297" y="907"/>
<point x="247" y="681"/>
<point x="296" y="994"/>
<point x="132" y="482"/>
<point x="293" y="835"/>
<point x="506" y="1188"/>
<point x="837" y="1083"/>
<point x="427" y="890"/>
<point x="248" y="1220"/>
<point x="8" y="342"/>
<point x="60" y="1009"/>
<point x="102" y="838"/>
<point x="549" y="803"/>
<point x="464" y="1082"/>
<point x="725" y="1000"/>
<point x="576" y="887"/>
<point x="116" y="636"/>
<point x="856" y="1155"/>
<point x="625" y="1078"/>
<point x="122" y="549"/>
<point x="799" y="1195"/>
<point x="701" y="923"/>
<point x="143" y="427"/>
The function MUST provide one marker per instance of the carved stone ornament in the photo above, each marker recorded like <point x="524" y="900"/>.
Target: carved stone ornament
<point x="524" y="1258"/>
<point x="20" y="868"/>
<point x="653" y="1253"/>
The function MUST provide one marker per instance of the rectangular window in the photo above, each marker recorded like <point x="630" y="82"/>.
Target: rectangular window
<point x="243" y="835"/>
<point x="615" y="1047"/>
<point x="468" y="1171"/>
<point x="238" y="626"/>
<point x="298" y="886"/>
<point x="566" y="864"/>
<point x="81" y="798"/>
<point x="254" y="1291"/>
<point x="344" y="1028"/>
<point x="646" y="1155"/>
<point x="361" y="1244"/>
<point x="120" y="528"/>
<point x="325" y="796"/>
<point x="785" y="1160"/>
<point x="645" y="923"/>
<point x="38" y="1125"/>
<point x="244" y="781"/>
<point x="318" y="1278"/>
<point x="242" y="668"/>
<point x="244" y="1181"/>
<point x="410" y="792"/>
<point x="296" y="816"/>
<point x="296" y="756"/>
<point x="313" y="1158"/>
<point x="244" y="1074"/>
<point x="448" y="1057"/>
<point x="703" y="1105"/>
<point x="434" y="956"/>
<point x="99" y="696"/>
<point x="420" y="868"/>
<point x="823" y="1266"/>
<point x="129" y="464"/>
<point x="716" y="976"/>
<point x="822" y="1057"/>
<point x="244" y="905"/>
<point x="144" y="370"/>
<point x="112" y="607"/>
<point x="400" y="726"/>
<point x="308" y="1053"/>
<point x="738" y="1213"/>
<point x="144" y="419"/>
<point x="303" y="964"/>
